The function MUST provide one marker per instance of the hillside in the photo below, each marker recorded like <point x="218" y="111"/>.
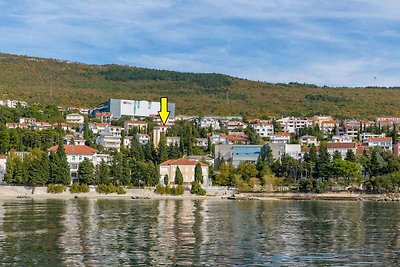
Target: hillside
<point x="75" y="84"/>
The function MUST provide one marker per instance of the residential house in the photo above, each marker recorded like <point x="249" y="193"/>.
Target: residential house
<point x="218" y="138"/>
<point x="236" y="154"/>
<point x="75" y="118"/>
<point x="157" y="131"/>
<point x="280" y="150"/>
<point x="235" y="125"/>
<point x="201" y="142"/>
<point x="143" y="139"/>
<point x="15" y="125"/>
<point x="293" y="124"/>
<point x="173" y="140"/>
<point x="127" y="141"/>
<point x="365" y="136"/>
<point x="104" y="117"/>
<point x="141" y="126"/>
<point x="328" y="126"/>
<point x="280" y="138"/>
<point x="76" y="154"/>
<point x="341" y="139"/>
<point x="27" y="120"/>
<point x="308" y="140"/>
<point x="263" y="128"/>
<point x="342" y="148"/>
<point x="13" y="103"/>
<point x="187" y="167"/>
<point x="109" y="141"/>
<point x="384" y="142"/>
<point x="238" y="139"/>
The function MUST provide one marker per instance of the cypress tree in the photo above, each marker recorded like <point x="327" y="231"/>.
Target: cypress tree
<point x="86" y="172"/>
<point x="178" y="176"/>
<point x="166" y="180"/>
<point x="63" y="175"/>
<point x="162" y="149"/>
<point x="198" y="173"/>
<point x="350" y="156"/>
<point x="103" y="173"/>
<point x="136" y="152"/>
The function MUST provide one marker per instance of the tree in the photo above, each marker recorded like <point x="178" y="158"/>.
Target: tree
<point x="103" y="173"/>
<point x="4" y="139"/>
<point x="226" y="175"/>
<point x="247" y="170"/>
<point x="162" y="150"/>
<point x="86" y="172"/>
<point x="323" y="162"/>
<point x="63" y="175"/>
<point x="39" y="169"/>
<point x="178" y="176"/>
<point x="198" y="173"/>
<point x="136" y="152"/>
<point x="350" y="156"/>
<point x="336" y="155"/>
<point x="166" y="180"/>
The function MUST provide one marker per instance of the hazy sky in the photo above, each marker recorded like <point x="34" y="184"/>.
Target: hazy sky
<point x="326" y="42"/>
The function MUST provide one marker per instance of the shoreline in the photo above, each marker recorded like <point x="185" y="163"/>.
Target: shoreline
<point x="40" y="193"/>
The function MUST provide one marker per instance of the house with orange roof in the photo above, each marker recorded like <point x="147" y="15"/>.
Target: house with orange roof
<point x="76" y="154"/>
<point x="104" y="117"/>
<point x="342" y="148"/>
<point x="238" y="139"/>
<point x="186" y="166"/>
<point x="383" y="142"/>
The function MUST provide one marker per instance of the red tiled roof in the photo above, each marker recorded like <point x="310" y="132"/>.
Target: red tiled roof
<point x="238" y="137"/>
<point x="341" y="145"/>
<point x="282" y="134"/>
<point x="182" y="162"/>
<point x="380" y="139"/>
<point x="75" y="149"/>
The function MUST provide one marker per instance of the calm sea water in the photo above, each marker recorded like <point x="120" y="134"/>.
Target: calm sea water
<point x="198" y="233"/>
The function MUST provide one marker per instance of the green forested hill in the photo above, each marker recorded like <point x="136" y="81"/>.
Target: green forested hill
<point x="75" y="84"/>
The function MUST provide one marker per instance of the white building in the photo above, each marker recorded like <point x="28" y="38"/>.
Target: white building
<point x="173" y="140"/>
<point x="140" y="125"/>
<point x="263" y="129"/>
<point x="280" y="138"/>
<point x="279" y="150"/>
<point x="76" y="154"/>
<point x="157" y="131"/>
<point x="365" y="136"/>
<point x="342" y="148"/>
<point x="383" y="142"/>
<point x="75" y="118"/>
<point x="143" y="139"/>
<point x="342" y="139"/>
<point x="109" y="141"/>
<point x="12" y="103"/>
<point x="293" y="124"/>
<point x="201" y="142"/>
<point x="308" y="140"/>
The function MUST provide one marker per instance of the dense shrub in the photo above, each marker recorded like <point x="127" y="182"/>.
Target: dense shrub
<point x="166" y="190"/>
<point x="110" y="188"/>
<point x="197" y="190"/>
<point x="79" y="188"/>
<point x="313" y="185"/>
<point x="55" y="188"/>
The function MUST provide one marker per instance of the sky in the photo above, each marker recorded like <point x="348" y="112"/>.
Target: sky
<point x="324" y="42"/>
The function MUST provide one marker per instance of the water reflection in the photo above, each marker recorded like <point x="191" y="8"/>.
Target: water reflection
<point x="198" y="233"/>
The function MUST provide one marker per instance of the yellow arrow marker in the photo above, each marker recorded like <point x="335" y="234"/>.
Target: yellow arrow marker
<point x="164" y="113"/>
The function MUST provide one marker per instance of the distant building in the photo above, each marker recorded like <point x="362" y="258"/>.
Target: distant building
<point x="342" y="148"/>
<point x="201" y="142"/>
<point x="383" y="142"/>
<point x="141" y="126"/>
<point x="133" y="108"/>
<point x="342" y="139"/>
<point x="236" y="154"/>
<point x="104" y="117"/>
<point x="238" y="139"/>
<point x="173" y="140"/>
<point x="75" y="118"/>
<point x="263" y="129"/>
<point x="293" y="124"/>
<point x="280" y="138"/>
<point x="365" y="136"/>
<point x="109" y="141"/>
<point x="308" y="140"/>
<point x="13" y="103"/>
<point x="143" y="139"/>
<point x="187" y="167"/>
<point x="157" y="131"/>
<point x="280" y="150"/>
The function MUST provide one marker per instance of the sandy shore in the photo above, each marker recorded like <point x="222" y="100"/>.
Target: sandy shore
<point x="26" y="192"/>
